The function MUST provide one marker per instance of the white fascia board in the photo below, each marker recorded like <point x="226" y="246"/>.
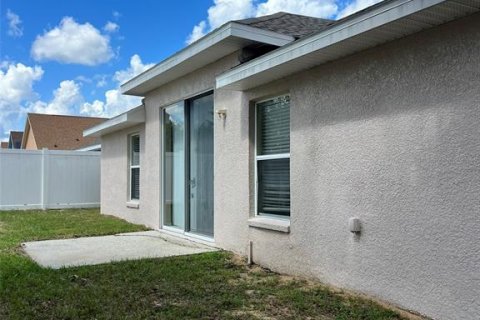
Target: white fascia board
<point x="111" y="123"/>
<point x="122" y="121"/>
<point x="91" y="148"/>
<point x="382" y="15"/>
<point x="229" y="30"/>
<point x="176" y="59"/>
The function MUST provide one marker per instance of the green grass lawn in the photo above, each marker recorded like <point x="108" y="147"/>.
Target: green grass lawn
<point x="207" y="286"/>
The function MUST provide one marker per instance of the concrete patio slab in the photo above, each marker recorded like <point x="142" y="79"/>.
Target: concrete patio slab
<point x="97" y="250"/>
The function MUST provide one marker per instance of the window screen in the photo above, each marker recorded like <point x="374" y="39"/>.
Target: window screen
<point x="273" y="157"/>
<point x="135" y="167"/>
<point x="274" y="126"/>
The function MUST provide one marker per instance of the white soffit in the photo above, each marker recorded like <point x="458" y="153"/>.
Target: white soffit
<point x="219" y="43"/>
<point x="125" y="120"/>
<point x="385" y="22"/>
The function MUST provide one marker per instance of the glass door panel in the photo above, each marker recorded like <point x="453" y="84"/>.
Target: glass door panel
<point x="200" y="184"/>
<point x="174" y="166"/>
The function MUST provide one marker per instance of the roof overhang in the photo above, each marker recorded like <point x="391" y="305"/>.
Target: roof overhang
<point x="94" y="147"/>
<point x="125" y="120"/>
<point x="217" y="44"/>
<point x="369" y="28"/>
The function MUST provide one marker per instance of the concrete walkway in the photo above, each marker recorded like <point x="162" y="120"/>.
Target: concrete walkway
<point x="96" y="250"/>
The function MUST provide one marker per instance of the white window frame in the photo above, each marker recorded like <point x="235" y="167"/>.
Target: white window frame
<point x="131" y="167"/>
<point x="266" y="157"/>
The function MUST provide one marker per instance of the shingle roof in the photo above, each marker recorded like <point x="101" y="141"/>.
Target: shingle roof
<point x="16" y="139"/>
<point x="57" y="132"/>
<point x="294" y="25"/>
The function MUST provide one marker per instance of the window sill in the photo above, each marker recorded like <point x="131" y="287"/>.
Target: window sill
<point x="270" y="224"/>
<point x="133" y="205"/>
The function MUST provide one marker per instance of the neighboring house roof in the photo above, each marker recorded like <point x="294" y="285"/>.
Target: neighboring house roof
<point x="59" y="132"/>
<point x="3" y="145"/>
<point x="294" y="25"/>
<point x="15" y="140"/>
<point x="380" y="23"/>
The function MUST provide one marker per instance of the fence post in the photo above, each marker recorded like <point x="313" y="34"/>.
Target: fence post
<point x="1" y="178"/>
<point x="45" y="170"/>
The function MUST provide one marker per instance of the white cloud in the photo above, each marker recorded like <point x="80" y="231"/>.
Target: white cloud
<point x="65" y="98"/>
<point x="71" y="42"/>
<point x="16" y="87"/>
<point x="102" y="81"/>
<point x="17" y="95"/>
<point x="198" y="31"/>
<point x="314" y="8"/>
<point x="111" y="27"/>
<point x="136" y="67"/>
<point x="226" y="10"/>
<point x="94" y="109"/>
<point x="354" y="6"/>
<point x="14" y="25"/>
<point x="83" y="79"/>
<point x="115" y="102"/>
<point x="223" y="11"/>
<point x="16" y="83"/>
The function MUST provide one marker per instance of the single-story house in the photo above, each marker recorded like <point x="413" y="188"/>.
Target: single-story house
<point x="59" y="132"/>
<point x="15" y="140"/>
<point x="347" y="151"/>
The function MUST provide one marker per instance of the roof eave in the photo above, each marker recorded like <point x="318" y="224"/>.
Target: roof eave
<point x="385" y="22"/>
<point x="125" y="120"/>
<point x="92" y="147"/>
<point x="223" y="41"/>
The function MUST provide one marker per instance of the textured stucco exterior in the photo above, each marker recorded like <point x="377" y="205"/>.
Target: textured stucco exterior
<point x="389" y="135"/>
<point x="115" y="151"/>
<point x="115" y="177"/>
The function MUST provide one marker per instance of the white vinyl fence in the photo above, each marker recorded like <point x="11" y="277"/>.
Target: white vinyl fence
<point x="48" y="179"/>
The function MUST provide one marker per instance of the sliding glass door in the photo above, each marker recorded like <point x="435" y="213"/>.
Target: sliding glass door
<point x="174" y="166"/>
<point x="188" y="166"/>
<point x="201" y="165"/>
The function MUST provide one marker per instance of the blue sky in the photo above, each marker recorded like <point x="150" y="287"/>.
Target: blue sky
<point x="69" y="57"/>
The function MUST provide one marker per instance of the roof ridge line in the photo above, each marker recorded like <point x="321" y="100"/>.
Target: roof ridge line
<point x="63" y="115"/>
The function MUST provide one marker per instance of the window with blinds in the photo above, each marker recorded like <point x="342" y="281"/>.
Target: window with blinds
<point x="134" y="167"/>
<point x="273" y="156"/>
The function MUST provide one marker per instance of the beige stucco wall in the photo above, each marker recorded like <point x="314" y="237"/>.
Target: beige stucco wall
<point x="392" y="136"/>
<point x="389" y="135"/>
<point x="115" y="148"/>
<point x="115" y="178"/>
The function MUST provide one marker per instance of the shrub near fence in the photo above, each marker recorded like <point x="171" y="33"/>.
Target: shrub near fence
<point x="49" y="179"/>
